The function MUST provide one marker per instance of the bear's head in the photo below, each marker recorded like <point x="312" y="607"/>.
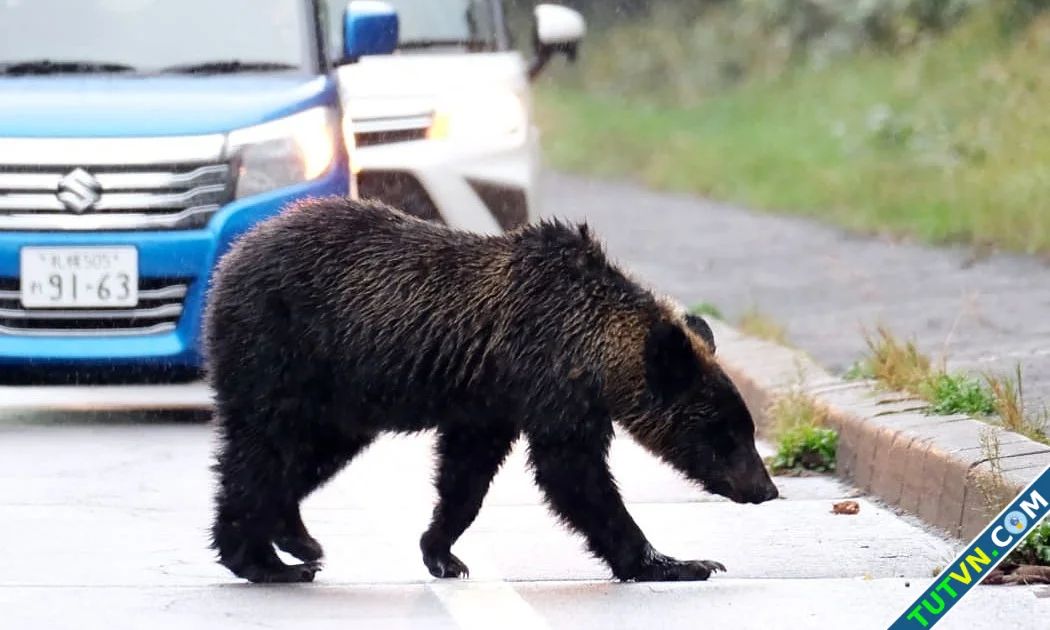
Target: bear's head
<point x="695" y="418"/>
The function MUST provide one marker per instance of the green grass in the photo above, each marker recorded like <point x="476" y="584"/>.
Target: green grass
<point x="959" y="393"/>
<point x="900" y="366"/>
<point x="756" y="324"/>
<point x="707" y="309"/>
<point x="1035" y="548"/>
<point x="806" y="448"/>
<point x="947" y="143"/>
<point x="797" y="424"/>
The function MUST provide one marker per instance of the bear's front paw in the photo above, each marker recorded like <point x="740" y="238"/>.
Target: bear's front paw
<point x="666" y="569"/>
<point x="445" y="565"/>
<point x="296" y="573"/>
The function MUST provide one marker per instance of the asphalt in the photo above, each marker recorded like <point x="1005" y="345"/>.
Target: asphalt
<point x="104" y="516"/>
<point x="823" y="284"/>
<point x="105" y="520"/>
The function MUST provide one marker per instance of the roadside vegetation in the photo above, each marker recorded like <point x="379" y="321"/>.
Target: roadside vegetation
<point x="707" y="309"/>
<point x="756" y="324"/>
<point x="897" y="365"/>
<point x="751" y="322"/>
<point x="917" y="118"/>
<point x="797" y="425"/>
<point x="1029" y="562"/>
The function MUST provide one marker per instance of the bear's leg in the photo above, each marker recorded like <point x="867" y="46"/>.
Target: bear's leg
<point x="467" y="462"/>
<point x="324" y="463"/>
<point x="246" y="519"/>
<point x="572" y="471"/>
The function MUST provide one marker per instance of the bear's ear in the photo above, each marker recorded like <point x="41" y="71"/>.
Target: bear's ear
<point x="700" y="326"/>
<point x="671" y="364"/>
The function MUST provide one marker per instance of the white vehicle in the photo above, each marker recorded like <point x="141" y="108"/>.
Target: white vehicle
<point x="443" y="127"/>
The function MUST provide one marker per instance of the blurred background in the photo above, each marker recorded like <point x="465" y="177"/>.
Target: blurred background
<point x="920" y="118"/>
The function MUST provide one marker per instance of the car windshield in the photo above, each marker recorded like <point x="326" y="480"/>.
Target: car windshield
<point x="47" y="36"/>
<point x="429" y="23"/>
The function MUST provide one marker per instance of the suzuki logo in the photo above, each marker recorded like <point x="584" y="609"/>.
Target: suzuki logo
<point x="79" y="190"/>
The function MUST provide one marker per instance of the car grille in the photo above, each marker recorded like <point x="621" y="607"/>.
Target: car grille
<point x="398" y="189"/>
<point x="508" y="204"/>
<point x="376" y="131"/>
<point x="155" y="197"/>
<point x="160" y="305"/>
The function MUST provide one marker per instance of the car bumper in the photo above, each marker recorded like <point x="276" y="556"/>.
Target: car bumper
<point x="187" y="256"/>
<point x="483" y="186"/>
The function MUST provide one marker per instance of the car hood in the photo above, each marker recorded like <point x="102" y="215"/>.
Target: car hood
<point x="107" y="106"/>
<point x="412" y="84"/>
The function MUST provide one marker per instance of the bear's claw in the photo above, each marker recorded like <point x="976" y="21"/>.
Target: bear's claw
<point x="446" y="566"/>
<point x="296" y="573"/>
<point x="667" y="569"/>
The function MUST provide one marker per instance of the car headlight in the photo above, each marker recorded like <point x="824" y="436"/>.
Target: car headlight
<point x="284" y="152"/>
<point x="484" y="115"/>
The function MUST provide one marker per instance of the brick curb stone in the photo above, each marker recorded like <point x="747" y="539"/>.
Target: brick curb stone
<point x="888" y="446"/>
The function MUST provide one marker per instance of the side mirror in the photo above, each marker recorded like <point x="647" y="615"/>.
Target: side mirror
<point x="370" y="27"/>
<point x="555" y="29"/>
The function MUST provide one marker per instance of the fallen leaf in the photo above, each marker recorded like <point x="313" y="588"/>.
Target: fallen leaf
<point x="845" y="507"/>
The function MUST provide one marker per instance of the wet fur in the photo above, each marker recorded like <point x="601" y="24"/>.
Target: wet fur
<point x="339" y="320"/>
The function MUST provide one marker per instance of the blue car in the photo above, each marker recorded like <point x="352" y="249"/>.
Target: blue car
<point x="138" y="140"/>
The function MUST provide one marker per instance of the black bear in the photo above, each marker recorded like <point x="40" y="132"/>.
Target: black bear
<point x="338" y="320"/>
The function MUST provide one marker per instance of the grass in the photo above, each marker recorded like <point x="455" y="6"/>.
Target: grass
<point x="706" y="309"/>
<point x="899" y="365"/>
<point x="946" y="143"/>
<point x="804" y="443"/>
<point x="751" y="322"/>
<point x="756" y="324"/>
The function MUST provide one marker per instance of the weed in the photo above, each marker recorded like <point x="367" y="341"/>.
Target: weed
<point x="900" y="366"/>
<point x="858" y="371"/>
<point x="756" y="324"/>
<point x="896" y="365"/>
<point x="953" y="393"/>
<point x="796" y="423"/>
<point x="997" y="494"/>
<point x="806" y="448"/>
<point x="707" y="309"/>
<point x="1008" y="400"/>
<point x="1035" y="548"/>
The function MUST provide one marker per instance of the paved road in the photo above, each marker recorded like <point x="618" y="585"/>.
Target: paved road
<point x="104" y="517"/>
<point x="104" y="522"/>
<point x="821" y="284"/>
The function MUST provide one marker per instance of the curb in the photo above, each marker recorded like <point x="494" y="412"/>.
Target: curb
<point x="888" y="447"/>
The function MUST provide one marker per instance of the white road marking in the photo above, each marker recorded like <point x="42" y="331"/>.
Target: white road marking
<point x="487" y="605"/>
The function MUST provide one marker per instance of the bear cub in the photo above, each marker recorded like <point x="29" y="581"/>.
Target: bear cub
<point x="339" y="320"/>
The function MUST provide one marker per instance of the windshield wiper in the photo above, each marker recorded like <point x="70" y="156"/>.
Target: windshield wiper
<point x="53" y="66"/>
<point x="227" y="66"/>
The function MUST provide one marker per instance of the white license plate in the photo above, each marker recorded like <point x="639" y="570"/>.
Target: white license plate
<point x="79" y="277"/>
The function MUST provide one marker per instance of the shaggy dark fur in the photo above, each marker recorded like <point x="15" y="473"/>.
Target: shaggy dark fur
<point x="338" y="320"/>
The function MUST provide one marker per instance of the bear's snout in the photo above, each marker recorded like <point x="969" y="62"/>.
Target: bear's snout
<point x="766" y="492"/>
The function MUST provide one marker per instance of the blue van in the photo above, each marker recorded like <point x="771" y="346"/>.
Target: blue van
<point x="138" y="139"/>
